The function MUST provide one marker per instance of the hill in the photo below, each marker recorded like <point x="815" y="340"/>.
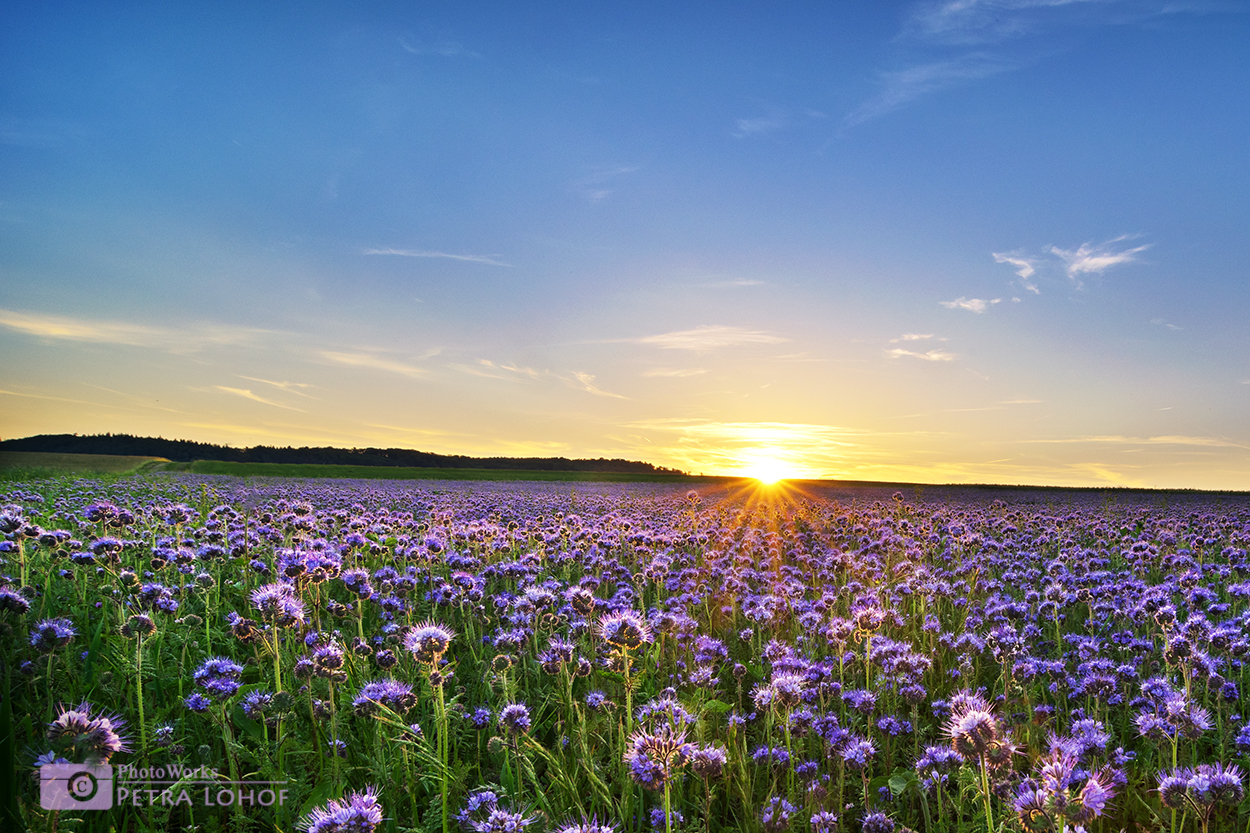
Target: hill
<point x="186" y="451"/>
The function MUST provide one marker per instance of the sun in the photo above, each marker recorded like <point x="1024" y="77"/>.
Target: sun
<point x="768" y="470"/>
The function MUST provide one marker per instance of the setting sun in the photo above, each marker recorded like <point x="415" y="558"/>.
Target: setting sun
<point x="768" y="469"/>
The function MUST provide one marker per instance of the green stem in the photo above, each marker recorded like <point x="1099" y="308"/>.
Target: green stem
<point x="985" y="794"/>
<point x="143" y="726"/>
<point x="668" y="821"/>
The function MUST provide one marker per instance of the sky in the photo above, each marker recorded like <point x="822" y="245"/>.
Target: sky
<point x="951" y="241"/>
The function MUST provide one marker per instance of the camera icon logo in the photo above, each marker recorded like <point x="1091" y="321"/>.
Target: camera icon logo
<point x="76" y="786"/>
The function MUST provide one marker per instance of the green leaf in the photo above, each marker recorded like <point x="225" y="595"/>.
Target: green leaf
<point x="900" y="782"/>
<point x="715" y="707"/>
<point x="320" y="795"/>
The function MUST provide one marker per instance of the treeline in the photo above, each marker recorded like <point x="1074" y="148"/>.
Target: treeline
<point x="186" y="451"/>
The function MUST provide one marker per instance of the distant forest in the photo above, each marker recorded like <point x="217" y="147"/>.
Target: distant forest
<point x="186" y="451"/>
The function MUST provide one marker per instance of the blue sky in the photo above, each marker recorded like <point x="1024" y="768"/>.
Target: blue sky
<point x="962" y="241"/>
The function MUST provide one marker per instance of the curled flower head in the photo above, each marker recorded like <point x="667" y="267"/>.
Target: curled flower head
<point x="278" y="604"/>
<point x="775" y="816"/>
<point x="359" y="812"/>
<point x="50" y="634"/>
<point x="482" y="813"/>
<point x="390" y="693"/>
<point x="973" y="730"/>
<point x="428" y="642"/>
<point x="514" y="718"/>
<point x="219" y="676"/>
<point x="327" y="659"/>
<point x="1173" y="789"/>
<point x="708" y="762"/>
<point x="877" y="823"/>
<point x="87" y="734"/>
<point x="788" y="689"/>
<point x="590" y="825"/>
<point x="138" y="625"/>
<point x="13" y="601"/>
<point x="1095" y="795"/>
<point x="625" y="630"/>
<point x="1226" y="785"/>
<point x="257" y="703"/>
<point x="197" y="702"/>
<point x="824" y="821"/>
<point x="653" y="757"/>
<point x="1033" y="808"/>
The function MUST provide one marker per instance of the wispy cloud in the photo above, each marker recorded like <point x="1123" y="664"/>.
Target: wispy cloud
<point x="674" y="372"/>
<point x="1090" y="259"/>
<point x="928" y="356"/>
<point x="511" y="372"/>
<point x="50" y="398"/>
<point x="730" y="284"/>
<point x="900" y="87"/>
<point x="914" y="337"/>
<point x="973" y="22"/>
<point x="977" y="305"/>
<point x="190" y="338"/>
<point x="442" y="47"/>
<point x="757" y="127"/>
<point x="586" y="382"/>
<point x="493" y="370"/>
<point x="247" y="394"/>
<point x="598" y="185"/>
<point x="1159" y="322"/>
<point x="963" y="22"/>
<point x="492" y="260"/>
<point x="373" y="362"/>
<point x="984" y="38"/>
<point x="1169" y="439"/>
<point x="709" y="337"/>
<point x="288" y="387"/>
<point x="1025" y="268"/>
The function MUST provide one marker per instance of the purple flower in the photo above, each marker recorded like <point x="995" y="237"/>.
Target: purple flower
<point x="624" y="630"/>
<point x="50" y="634"/>
<point x="824" y="822"/>
<point x="590" y="825"/>
<point x="391" y="693"/>
<point x="359" y="812"/>
<point x="197" y="702"/>
<point x="877" y="823"/>
<point x="12" y="600"/>
<point x="775" y="816"/>
<point x="708" y="762"/>
<point x="654" y="757"/>
<point x="219" y="676"/>
<point x="514" y="718"/>
<point x="278" y="604"/>
<point x="88" y="734"/>
<point x="428" y="642"/>
<point x="858" y="753"/>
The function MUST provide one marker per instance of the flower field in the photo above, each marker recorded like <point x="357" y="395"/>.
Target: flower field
<point x="626" y="657"/>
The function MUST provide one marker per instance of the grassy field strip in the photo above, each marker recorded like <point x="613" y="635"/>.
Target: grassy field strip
<point x="77" y="463"/>
<point x="405" y="473"/>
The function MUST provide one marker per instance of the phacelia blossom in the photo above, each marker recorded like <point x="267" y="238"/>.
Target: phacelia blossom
<point x="87" y="735"/>
<point x="428" y="642"/>
<point x="359" y="812"/>
<point x="625" y="630"/>
<point x="50" y="634"/>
